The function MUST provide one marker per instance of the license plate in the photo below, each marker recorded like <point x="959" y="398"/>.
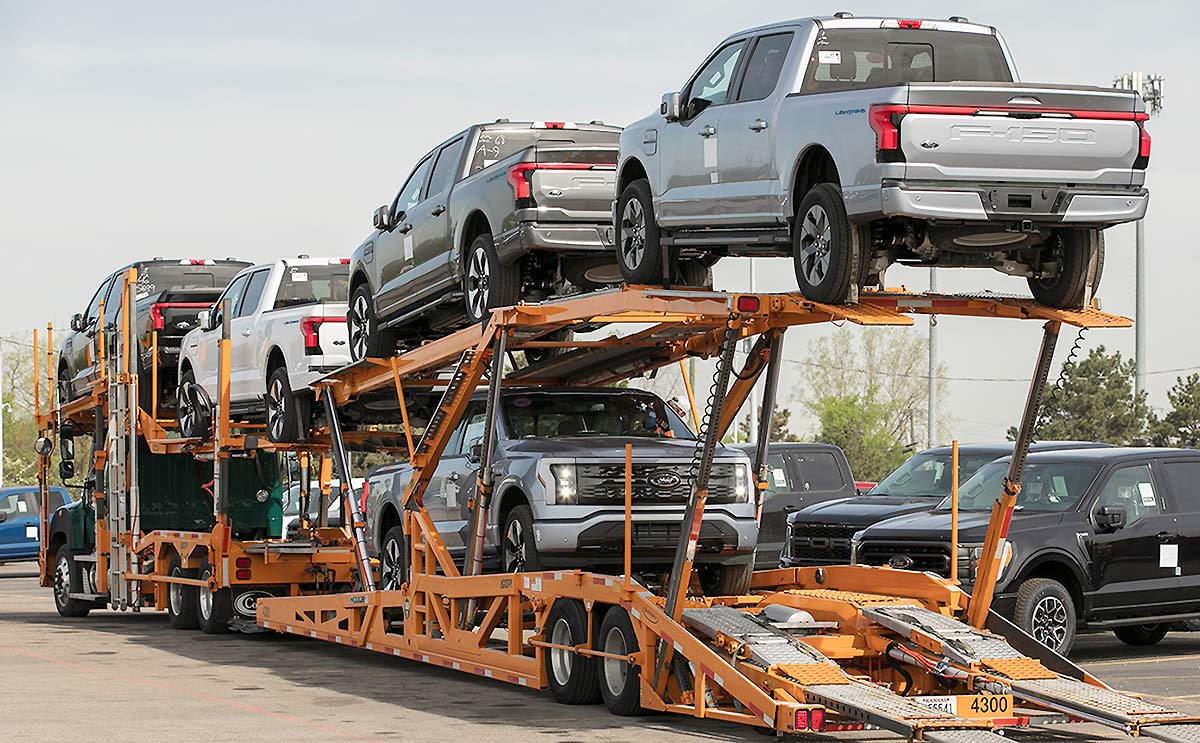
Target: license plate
<point x="978" y="706"/>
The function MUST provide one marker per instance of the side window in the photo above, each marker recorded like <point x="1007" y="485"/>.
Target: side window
<point x="474" y="430"/>
<point x="711" y="86"/>
<point x="446" y="170"/>
<point x="818" y="470"/>
<point x="234" y="295"/>
<point x="1133" y="489"/>
<point x="764" y="67"/>
<point x="459" y="443"/>
<point x="253" y="295"/>
<point x="1183" y="478"/>
<point x="778" y="479"/>
<point x="93" y="309"/>
<point x="112" y="297"/>
<point x="414" y="188"/>
<point x="18" y="504"/>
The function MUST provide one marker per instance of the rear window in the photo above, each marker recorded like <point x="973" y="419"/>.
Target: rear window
<point x="1184" y="479"/>
<point x="818" y="470"/>
<point x="303" y="285"/>
<point x="844" y="59"/>
<point x="494" y="145"/>
<point x="158" y="277"/>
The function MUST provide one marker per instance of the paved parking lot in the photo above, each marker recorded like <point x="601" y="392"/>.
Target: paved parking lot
<point x="120" y="677"/>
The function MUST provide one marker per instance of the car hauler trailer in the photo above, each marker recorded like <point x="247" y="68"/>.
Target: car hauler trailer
<point x="804" y="650"/>
<point x="172" y="523"/>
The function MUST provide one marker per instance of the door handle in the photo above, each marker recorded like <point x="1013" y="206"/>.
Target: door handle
<point x="438" y="210"/>
<point x="452" y="477"/>
<point x="758" y="125"/>
<point x="246" y="332"/>
<point x="790" y="509"/>
<point x="1167" y="537"/>
<point x="405" y="228"/>
<point x="707" y="131"/>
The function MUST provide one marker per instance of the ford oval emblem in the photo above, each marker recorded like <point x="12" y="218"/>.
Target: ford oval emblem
<point x="664" y="479"/>
<point x="900" y="562"/>
<point x="929" y="144"/>
<point x="554" y="192"/>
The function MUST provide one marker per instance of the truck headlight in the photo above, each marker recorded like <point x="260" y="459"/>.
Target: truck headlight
<point x="975" y="554"/>
<point x="854" y="545"/>
<point x="787" y="539"/>
<point x="565" y="489"/>
<point x="741" y="483"/>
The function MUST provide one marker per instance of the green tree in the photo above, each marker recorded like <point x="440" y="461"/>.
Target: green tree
<point x="862" y="426"/>
<point x="20" y="427"/>
<point x="1096" y="402"/>
<point x="1181" y="426"/>
<point x="781" y="419"/>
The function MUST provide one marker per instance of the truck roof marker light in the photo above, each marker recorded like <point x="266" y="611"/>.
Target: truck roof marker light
<point x="747" y="303"/>
<point x="910" y="24"/>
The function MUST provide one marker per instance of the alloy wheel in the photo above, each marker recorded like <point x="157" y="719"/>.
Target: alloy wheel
<point x="615" y="671"/>
<point x="633" y="233"/>
<point x="393" y="565"/>
<point x="561" y="660"/>
<point x="276" y="407"/>
<point x="1049" y="621"/>
<point x="816" y="237"/>
<point x="478" y="278"/>
<point x="62" y="581"/>
<point x="360" y="314"/>
<point x="514" y="547"/>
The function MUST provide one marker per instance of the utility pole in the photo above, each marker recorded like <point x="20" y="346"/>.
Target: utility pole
<point x="1150" y="88"/>
<point x="931" y="410"/>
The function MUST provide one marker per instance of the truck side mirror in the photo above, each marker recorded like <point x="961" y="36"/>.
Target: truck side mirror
<point x="3" y="516"/>
<point x="204" y="319"/>
<point x="1111" y="518"/>
<point x="66" y="444"/>
<point x="475" y="453"/>
<point x="77" y="323"/>
<point x="672" y="106"/>
<point x="381" y="219"/>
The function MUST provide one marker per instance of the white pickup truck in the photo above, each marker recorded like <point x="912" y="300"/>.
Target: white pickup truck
<point x="855" y="143"/>
<point x="287" y="328"/>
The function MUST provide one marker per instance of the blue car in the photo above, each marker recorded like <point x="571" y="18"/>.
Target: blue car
<point x="19" y="521"/>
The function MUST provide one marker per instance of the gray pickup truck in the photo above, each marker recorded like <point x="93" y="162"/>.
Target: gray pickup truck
<point x="852" y="144"/>
<point x="497" y="213"/>
<point x="559" y="498"/>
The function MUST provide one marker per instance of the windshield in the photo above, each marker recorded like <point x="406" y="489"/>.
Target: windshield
<point x="844" y="59"/>
<point x="928" y="475"/>
<point x="158" y="277"/>
<point x="1046" y="487"/>
<point x="537" y="415"/>
<point x="494" y="145"/>
<point x="312" y="284"/>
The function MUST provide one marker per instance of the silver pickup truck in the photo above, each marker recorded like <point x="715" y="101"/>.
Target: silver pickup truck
<point x="497" y="213"/>
<point x="855" y="143"/>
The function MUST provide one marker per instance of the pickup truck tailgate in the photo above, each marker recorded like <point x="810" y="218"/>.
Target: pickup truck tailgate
<point x="574" y="184"/>
<point x="1029" y="134"/>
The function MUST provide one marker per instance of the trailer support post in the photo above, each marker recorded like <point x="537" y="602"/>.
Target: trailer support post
<point x="766" y="416"/>
<point x="485" y="480"/>
<point x="341" y="460"/>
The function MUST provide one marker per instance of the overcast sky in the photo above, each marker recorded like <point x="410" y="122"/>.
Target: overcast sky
<point x="261" y="130"/>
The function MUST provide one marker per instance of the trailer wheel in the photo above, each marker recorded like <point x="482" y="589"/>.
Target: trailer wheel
<point x="67" y="580"/>
<point x="488" y="282"/>
<point x="287" y="413"/>
<point x="827" y="248"/>
<point x="640" y="253"/>
<point x="572" y="677"/>
<point x="1045" y="610"/>
<point x="619" y="680"/>
<point x="1080" y="257"/>
<point x="183" y="602"/>
<point x="1142" y="634"/>
<point x="216" y="606"/>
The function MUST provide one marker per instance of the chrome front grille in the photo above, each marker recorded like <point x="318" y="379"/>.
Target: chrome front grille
<point x="604" y="484"/>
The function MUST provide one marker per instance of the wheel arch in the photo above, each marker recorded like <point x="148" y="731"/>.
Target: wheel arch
<point x="510" y="497"/>
<point x="274" y="360"/>
<point x="814" y="164"/>
<point x="476" y="224"/>
<point x="389" y="517"/>
<point x="1059" y="567"/>
<point x="631" y="170"/>
<point x="358" y="278"/>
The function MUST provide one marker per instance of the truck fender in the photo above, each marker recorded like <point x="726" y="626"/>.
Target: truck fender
<point x="1046" y="561"/>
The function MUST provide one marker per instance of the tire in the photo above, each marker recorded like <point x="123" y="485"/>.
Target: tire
<point x="1142" y="634"/>
<point x="828" y="251"/>
<point x="488" y="283"/>
<point x="726" y="580"/>
<point x="694" y="274"/>
<point x="538" y="355"/>
<point x="183" y="602"/>
<point x="64" y="386"/>
<point x="1080" y="253"/>
<point x="367" y="339"/>
<point x="640" y="252"/>
<point x="572" y="677"/>
<point x="68" y="578"/>
<point x="215" y="607"/>
<point x="193" y="409"/>
<point x="287" y="413"/>
<point x="518" y="550"/>
<point x="393" y="560"/>
<point x="1046" y="611"/>
<point x="620" y="687"/>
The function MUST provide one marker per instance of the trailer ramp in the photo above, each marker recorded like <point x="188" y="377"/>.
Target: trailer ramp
<point x="825" y="683"/>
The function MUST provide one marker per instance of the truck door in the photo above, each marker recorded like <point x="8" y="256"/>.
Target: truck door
<point x="247" y="380"/>
<point x="1183" y="485"/>
<point x="79" y="349"/>
<point x="205" y="344"/>
<point x="18" y="524"/>
<point x="394" y="247"/>
<point x="779" y="500"/>
<point x="1128" y="569"/>
<point x="432" y="255"/>
<point x="688" y="148"/>
<point x="453" y="483"/>
<point x="751" y="188"/>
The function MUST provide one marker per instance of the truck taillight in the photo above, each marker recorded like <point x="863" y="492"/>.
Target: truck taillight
<point x="362" y="504"/>
<point x="887" y="129"/>
<point x="156" y="317"/>
<point x="520" y="175"/>
<point x="1143" y="158"/>
<point x="310" y="327"/>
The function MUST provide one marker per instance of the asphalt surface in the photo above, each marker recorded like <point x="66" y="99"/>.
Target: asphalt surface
<point x="130" y="677"/>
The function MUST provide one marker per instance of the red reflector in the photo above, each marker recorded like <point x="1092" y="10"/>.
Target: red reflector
<point x="910" y="24"/>
<point x="242" y="575"/>
<point x="242" y="562"/>
<point x="802" y="719"/>
<point x="817" y="719"/>
<point x="747" y="303"/>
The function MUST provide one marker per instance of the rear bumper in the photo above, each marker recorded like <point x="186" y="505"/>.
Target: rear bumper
<point x="1014" y="202"/>
<point x="563" y="238"/>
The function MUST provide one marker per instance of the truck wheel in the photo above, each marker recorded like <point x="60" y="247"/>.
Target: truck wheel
<point x="726" y="580"/>
<point x="216" y="605"/>
<point x="639" y="247"/>
<point x="538" y="355"/>
<point x="572" y="677"/>
<point x="287" y="413"/>
<point x="183" y="602"/>
<point x="619" y="683"/>
<point x="68" y="578"/>
<point x="1045" y="610"/>
<point x="517" y="542"/>
<point x="1142" y="634"/>
<point x="193" y="409"/>
<point x="1080" y="257"/>
<point x="827" y="249"/>
<point x="489" y="283"/>
<point x="393" y="560"/>
<point x="367" y="339"/>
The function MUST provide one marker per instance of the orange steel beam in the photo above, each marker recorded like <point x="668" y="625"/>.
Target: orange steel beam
<point x="752" y="369"/>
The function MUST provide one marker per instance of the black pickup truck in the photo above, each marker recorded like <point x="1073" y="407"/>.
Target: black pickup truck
<point x="1102" y="539"/>
<point x="820" y="534"/>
